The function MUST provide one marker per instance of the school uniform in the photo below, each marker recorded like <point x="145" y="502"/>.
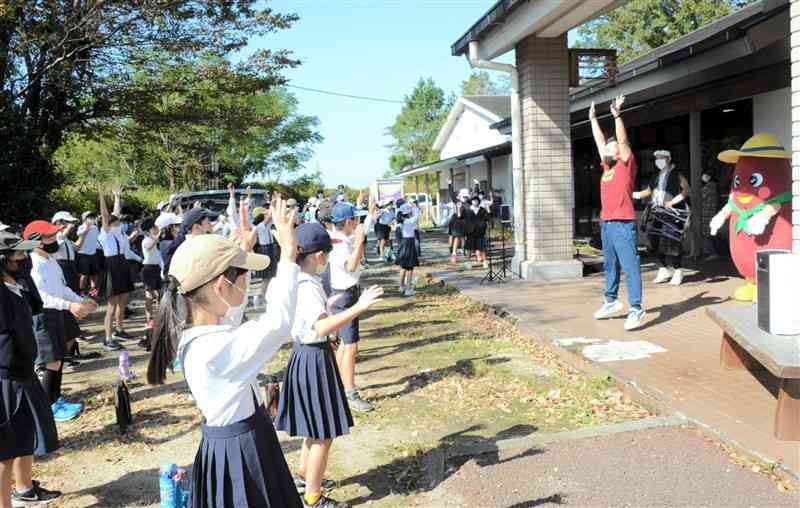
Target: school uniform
<point x="344" y="283"/>
<point x="477" y="219"/>
<point x="268" y="246"/>
<point x="86" y="259"/>
<point x="239" y="462"/>
<point x="66" y="258"/>
<point x="313" y="401"/>
<point x="383" y="225"/>
<point x="458" y="224"/>
<point x="152" y="263"/>
<point x="407" y="253"/>
<point x="49" y="325"/>
<point x="26" y="420"/>
<point x="118" y="279"/>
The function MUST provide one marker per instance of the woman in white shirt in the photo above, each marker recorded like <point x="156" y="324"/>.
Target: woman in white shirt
<point x="313" y="402"/>
<point x="239" y="462"/>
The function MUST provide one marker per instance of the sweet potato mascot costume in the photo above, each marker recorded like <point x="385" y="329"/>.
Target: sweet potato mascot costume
<point x="759" y="206"/>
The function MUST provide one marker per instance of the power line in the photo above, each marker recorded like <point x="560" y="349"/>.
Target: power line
<point x="338" y="94"/>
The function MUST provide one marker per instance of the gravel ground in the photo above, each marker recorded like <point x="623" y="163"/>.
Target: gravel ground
<point x="655" y="467"/>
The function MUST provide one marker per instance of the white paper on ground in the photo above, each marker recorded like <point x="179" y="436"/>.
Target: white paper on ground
<point x="614" y="351"/>
<point x="574" y="340"/>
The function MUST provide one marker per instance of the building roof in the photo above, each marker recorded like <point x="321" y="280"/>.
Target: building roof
<point x="705" y="42"/>
<point x="499" y="105"/>
<point x="494" y="108"/>
<point x="431" y="167"/>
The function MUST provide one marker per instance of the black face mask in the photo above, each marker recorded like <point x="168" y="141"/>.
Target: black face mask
<point x="18" y="268"/>
<point x="609" y="160"/>
<point x="50" y="248"/>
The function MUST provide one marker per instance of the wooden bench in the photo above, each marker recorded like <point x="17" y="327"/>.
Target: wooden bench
<point x="745" y="346"/>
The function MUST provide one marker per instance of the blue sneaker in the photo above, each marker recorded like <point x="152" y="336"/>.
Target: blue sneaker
<point x="64" y="411"/>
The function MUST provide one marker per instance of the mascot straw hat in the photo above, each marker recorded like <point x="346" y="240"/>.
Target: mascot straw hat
<point x="760" y="145"/>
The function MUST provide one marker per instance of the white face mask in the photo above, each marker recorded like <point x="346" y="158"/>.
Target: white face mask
<point x="235" y="313"/>
<point x="661" y="164"/>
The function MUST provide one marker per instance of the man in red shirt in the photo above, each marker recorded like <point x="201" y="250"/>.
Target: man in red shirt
<point x="618" y="218"/>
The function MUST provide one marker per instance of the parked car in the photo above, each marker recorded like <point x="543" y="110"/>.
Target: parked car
<point x="217" y="200"/>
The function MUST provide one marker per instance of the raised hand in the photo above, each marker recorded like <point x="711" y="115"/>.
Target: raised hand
<point x="372" y="206"/>
<point x="249" y="236"/>
<point x="592" y="112"/>
<point x="231" y="189"/>
<point x="360" y="233"/>
<point x="616" y="105"/>
<point x="370" y="297"/>
<point x="116" y="189"/>
<point x="284" y="222"/>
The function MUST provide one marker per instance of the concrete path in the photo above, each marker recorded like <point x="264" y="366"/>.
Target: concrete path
<point x="653" y="467"/>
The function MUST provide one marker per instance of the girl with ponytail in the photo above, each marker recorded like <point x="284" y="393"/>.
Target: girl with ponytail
<point x="239" y="462"/>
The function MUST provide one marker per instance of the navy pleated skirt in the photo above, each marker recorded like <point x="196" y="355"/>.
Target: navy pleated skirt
<point x="274" y="252"/>
<point x="51" y="334"/>
<point x="26" y="421"/>
<point x="118" y="278"/>
<point x="313" y="402"/>
<point x="241" y="465"/>
<point x="407" y="256"/>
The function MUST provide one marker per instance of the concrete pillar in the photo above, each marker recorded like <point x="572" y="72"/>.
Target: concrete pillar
<point x="696" y="194"/>
<point x="548" y="190"/>
<point x="795" y="41"/>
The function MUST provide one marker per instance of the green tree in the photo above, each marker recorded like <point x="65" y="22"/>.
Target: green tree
<point x="415" y="128"/>
<point x="68" y="63"/>
<point x="481" y="83"/>
<point x="640" y="26"/>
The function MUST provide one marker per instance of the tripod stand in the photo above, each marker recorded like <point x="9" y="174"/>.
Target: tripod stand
<point x="498" y="269"/>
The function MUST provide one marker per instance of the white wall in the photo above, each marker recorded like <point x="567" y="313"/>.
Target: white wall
<point x="471" y="133"/>
<point x="772" y="112"/>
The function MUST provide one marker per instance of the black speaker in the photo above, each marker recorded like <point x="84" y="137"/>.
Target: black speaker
<point x="505" y="213"/>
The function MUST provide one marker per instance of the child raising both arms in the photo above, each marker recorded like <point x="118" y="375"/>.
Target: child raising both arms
<point x="313" y="403"/>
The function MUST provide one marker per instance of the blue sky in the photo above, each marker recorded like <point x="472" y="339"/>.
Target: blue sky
<point x="376" y="48"/>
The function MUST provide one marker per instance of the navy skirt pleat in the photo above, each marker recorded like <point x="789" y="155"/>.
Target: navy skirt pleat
<point x="26" y="421"/>
<point x="312" y="401"/>
<point x="407" y="255"/>
<point x="242" y="465"/>
<point x="50" y="332"/>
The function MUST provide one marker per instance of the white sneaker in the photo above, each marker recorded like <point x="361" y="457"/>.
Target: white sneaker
<point x="410" y="292"/>
<point x="635" y="318"/>
<point x="608" y="309"/>
<point x="663" y="275"/>
<point x="677" y="277"/>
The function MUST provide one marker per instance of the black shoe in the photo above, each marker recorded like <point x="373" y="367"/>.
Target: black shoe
<point x="144" y="344"/>
<point x="112" y="345"/>
<point x="35" y="495"/>
<point x="122" y="335"/>
<point x="326" y="502"/>
<point x="88" y="356"/>
<point x="70" y="364"/>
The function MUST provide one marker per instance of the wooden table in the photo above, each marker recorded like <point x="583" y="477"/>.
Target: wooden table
<point x="746" y="346"/>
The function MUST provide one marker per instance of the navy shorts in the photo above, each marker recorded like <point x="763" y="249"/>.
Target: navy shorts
<point x="87" y="264"/>
<point x="349" y="334"/>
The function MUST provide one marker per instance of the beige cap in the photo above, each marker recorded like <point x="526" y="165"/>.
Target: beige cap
<point x="201" y="258"/>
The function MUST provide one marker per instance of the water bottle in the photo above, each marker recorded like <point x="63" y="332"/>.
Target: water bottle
<point x="171" y="487"/>
<point x="124" y="365"/>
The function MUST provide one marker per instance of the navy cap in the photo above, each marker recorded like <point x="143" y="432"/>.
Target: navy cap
<point x="312" y="237"/>
<point x="196" y="216"/>
<point x="343" y="211"/>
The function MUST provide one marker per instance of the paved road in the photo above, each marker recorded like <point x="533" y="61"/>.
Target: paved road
<point x="656" y="467"/>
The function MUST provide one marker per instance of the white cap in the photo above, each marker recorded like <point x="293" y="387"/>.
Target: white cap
<point x="3" y="227"/>
<point x="161" y="205"/>
<point x="65" y="216"/>
<point x="658" y="154"/>
<point x="166" y="220"/>
<point x="312" y="201"/>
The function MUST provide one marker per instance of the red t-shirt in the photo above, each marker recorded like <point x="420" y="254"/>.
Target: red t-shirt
<point x="616" y="187"/>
